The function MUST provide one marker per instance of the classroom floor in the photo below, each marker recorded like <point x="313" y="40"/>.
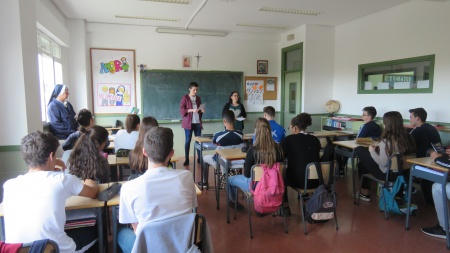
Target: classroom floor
<point x="362" y="228"/>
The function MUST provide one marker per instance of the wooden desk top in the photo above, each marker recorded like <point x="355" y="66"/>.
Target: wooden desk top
<point x="231" y="153"/>
<point x="322" y="134"/>
<point x="113" y="160"/>
<point x="349" y="144"/>
<point x="248" y="137"/>
<point x="201" y="139"/>
<point x="111" y="145"/>
<point x="427" y="162"/>
<point x="115" y="201"/>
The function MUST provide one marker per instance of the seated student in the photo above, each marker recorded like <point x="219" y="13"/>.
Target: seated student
<point x="438" y="230"/>
<point x="34" y="203"/>
<point x="424" y="134"/>
<point x="159" y="194"/>
<point x="84" y="119"/>
<point x="300" y="148"/>
<point x="87" y="160"/>
<point x="278" y="132"/>
<point x="370" y="128"/>
<point x="265" y="151"/>
<point x="394" y="140"/>
<point x="227" y="137"/>
<point x="139" y="162"/>
<point x="126" y="139"/>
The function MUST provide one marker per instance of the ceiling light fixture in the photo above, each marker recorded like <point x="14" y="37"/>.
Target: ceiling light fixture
<point x="290" y="11"/>
<point x="170" y="1"/>
<point x="191" y="32"/>
<point x="263" y="26"/>
<point x="148" y="18"/>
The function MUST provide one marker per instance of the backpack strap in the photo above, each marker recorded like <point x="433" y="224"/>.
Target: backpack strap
<point x="332" y="173"/>
<point x="319" y="172"/>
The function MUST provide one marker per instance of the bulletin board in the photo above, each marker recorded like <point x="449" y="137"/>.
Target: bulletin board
<point x="269" y="86"/>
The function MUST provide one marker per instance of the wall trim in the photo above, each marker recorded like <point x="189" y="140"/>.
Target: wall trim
<point x="9" y="148"/>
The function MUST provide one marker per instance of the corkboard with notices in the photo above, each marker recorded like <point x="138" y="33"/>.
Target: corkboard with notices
<point x="269" y="86"/>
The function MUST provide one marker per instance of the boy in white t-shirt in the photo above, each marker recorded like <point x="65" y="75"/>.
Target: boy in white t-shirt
<point x="34" y="203"/>
<point x="151" y="197"/>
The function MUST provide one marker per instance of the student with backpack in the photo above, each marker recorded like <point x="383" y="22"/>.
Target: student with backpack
<point x="300" y="148"/>
<point x="265" y="152"/>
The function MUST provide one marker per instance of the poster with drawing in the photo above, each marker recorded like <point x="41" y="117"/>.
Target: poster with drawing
<point x="113" y="80"/>
<point x="255" y="91"/>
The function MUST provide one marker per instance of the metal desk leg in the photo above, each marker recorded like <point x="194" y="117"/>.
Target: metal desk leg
<point x="355" y="172"/>
<point x="114" y="224"/>
<point x="2" y="229"/>
<point x="218" y="181"/>
<point x="100" y="229"/>
<point x="194" y="163"/>
<point x="409" y="196"/>
<point x="226" y="187"/>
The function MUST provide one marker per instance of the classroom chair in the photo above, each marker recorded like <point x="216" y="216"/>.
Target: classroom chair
<point x="307" y="191"/>
<point x="256" y="175"/>
<point x="395" y="164"/>
<point x="40" y="246"/>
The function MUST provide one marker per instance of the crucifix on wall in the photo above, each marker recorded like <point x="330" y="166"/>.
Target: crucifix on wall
<point x="198" y="58"/>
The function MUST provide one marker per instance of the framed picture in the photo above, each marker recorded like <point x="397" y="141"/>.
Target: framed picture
<point x="186" y="61"/>
<point x="262" y="66"/>
<point x="113" y="79"/>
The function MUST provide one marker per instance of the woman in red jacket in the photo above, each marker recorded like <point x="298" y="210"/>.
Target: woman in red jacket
<point x="192" y="117"/>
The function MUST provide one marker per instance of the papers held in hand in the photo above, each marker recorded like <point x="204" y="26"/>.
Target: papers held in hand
<point x="240" y="118"/>
<point x="439" y="148"/>
<point x="202" y="107"/>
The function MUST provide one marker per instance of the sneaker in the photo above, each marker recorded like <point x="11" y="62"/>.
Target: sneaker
<point x="436" y="231"/>
<point x="240" y="207"/>
<point x="363" y="197"/>
<point x="202" y="185"/>
<point x="186" y="163"/>
<point x="260" y="215"/>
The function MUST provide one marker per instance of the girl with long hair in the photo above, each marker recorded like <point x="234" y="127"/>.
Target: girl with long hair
<point x="265" y="151"/>
<point x="139" y="162"/>
<point x="394" y="140"/>
<point x="86" y="161"/>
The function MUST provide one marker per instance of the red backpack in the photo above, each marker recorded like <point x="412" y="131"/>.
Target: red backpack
<point x="268" y="194"/>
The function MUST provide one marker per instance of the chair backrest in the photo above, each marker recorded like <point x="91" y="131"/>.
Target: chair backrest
<point x="311" y="172"/>
<point x="200" y="222"/>
<point x="231" y="146"/>
<point x="50" y="247"/>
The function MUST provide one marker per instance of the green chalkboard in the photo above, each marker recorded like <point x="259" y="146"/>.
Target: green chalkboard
<point x="162" y="90"/>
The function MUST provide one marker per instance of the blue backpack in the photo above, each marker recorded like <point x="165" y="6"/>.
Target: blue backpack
<point x="392" y="201"/>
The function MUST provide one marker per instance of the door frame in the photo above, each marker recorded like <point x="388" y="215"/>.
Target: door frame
<point x="284" y="51"/>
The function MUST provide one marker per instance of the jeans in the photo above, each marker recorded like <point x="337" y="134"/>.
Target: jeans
<point x="126" y="238"/>
<point x="188" y="133"/>
<point x="438" y="202"/>
<point x="237" y="181"/>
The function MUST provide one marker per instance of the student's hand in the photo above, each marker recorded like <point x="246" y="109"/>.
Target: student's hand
<point x="435" y="155"/>
<point x="447" y="151"/>
<point x="59" y="165"/>
<point x="372" y="148"/>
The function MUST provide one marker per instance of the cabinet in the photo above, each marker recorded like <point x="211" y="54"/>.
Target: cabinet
<point x="344" y="123"/>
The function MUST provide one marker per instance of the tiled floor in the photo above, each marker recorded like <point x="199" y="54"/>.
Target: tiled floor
<point x="362" y="228"/>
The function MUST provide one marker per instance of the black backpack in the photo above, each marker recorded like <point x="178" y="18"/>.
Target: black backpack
<point x="321" y="206"/>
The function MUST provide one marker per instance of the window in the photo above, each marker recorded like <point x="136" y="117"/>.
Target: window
<point x="50" y="69"/>
<point x="412" y="75"/>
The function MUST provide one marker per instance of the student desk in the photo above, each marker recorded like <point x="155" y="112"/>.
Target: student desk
<point x="75" y="203"/>
<point x="110" y="146"/>
<point x="114" y="203"/>
<point x="426" y="168"/>
<point x="228" y="155"/>
<point x="347" y="148"/>
<point x="204" y="143"/>
<point x="325" y="134"/>
<point x="113" y="160"/>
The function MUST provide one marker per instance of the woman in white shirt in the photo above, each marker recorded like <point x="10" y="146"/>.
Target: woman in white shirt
<point x="126" y="139"/>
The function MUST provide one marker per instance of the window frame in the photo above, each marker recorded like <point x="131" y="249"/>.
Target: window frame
<point x="392" y="63"/>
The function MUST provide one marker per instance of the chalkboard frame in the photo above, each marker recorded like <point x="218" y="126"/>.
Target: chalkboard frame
<point x="238" y="85"/>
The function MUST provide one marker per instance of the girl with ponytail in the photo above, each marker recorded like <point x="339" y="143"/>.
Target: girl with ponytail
<point x="86" y="160"/>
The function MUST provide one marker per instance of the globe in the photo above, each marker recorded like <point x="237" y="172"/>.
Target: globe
<point x="332" y="106"/>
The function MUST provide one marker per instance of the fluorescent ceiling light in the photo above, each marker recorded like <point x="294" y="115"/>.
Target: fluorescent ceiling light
<point x="170" y="1"/>
<point x="290" y="11"/>
<point x="148" y="18"/>
<point x="263" y="26"/>
<point x="191" y="32"/>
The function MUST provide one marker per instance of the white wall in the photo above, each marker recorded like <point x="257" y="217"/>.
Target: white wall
<point x="235" y="52"/>
<point x="415" y="28"/>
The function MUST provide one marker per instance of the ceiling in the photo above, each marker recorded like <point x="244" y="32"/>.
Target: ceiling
<point x="222" y="15"/>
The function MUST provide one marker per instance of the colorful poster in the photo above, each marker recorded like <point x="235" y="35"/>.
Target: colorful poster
<point x="255" y="91"/>
<point x="113" y="80"/>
